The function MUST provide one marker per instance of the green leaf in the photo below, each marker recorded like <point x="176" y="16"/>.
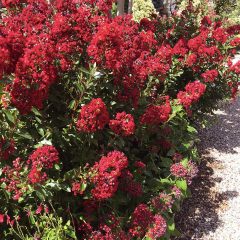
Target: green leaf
<point x="85" y="70"/>
<point x="41" y="131"/>
<point x="182" y="184"/>
<point x="57" y="167"/>
<point x="25" y="135"/>
<point x="65" y="187"/>
<point x="83" y="187"/>
<point x="31" y="219"/>
<point x="166" y="180"/>
<point x="36" y="112"/>
<point x="185" y="162"/>
<point x="40" y="196"/>
<point x="148" y="238"/>
<point x="9" y="116"/>
<point x="171" y="226"/>
<point x="165" y="162"/>
<point x="191" y="129"/>
<point x="72" y="104"/>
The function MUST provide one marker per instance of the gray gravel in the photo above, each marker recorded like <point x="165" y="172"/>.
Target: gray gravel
<point x="225" y="151"/>
<point x="213" y="211"/>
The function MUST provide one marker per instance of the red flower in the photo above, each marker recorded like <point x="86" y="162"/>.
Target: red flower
<point x="93" y="116"/>
<point x="77" y="188"/>
<point x="162" y="202"/>
<point x="2" y="216"/>
<point x="210" y="75"/>
<point x="180" y="48"/>
<point x="158" y="229"/>
<point x="196" y="42"/>
<point x="105" y="187"/>
<point x="194" y="90"/>
<point x="39" y="209"/>
<point x="191" y="60"/>
<point x="178" y="170"/>
<point x="235" y="42"/>
<point x="11" y="3"/>
<point x="123" y="124"/>
<point x="141" y="219"/>
<point x="233" y="30"/>
<point x="156" y="114"/>
<point x="140" y="166"/>
<point x="206" y="21"/>
<point x="36" y="176"/>
<point x="236" y="67"/>
<point x="220" y="35"/>
<point x="45" y="156"/>
<point x="109" y="170"/>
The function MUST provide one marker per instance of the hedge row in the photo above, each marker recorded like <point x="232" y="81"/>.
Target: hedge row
<point x="96" y="134"/>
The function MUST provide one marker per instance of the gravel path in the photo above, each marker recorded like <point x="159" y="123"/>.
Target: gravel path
<point x="213" y="211"/>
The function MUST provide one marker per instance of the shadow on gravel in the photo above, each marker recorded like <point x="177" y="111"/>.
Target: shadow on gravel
<point x="198" y="215"/>
<point x="225" y="129"/>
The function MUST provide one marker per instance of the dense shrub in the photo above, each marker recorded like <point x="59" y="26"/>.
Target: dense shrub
<point x="228" y="9"/>
<point x="95" y="135"/>
<point x="142" y="9"/>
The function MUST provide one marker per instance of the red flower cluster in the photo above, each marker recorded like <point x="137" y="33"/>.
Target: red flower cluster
<point x="6" y="218"/>
<point x="13" y="180"/>
<point x="93" y="116"/>
<point x="158" y="229"/>
<point x="141" y="220"/>
<point x="77" y="188"/>
<point x="141" y="166"/>
<point x="37" y="40"/>
<point x="44" y="157"/>
<point x="188" y="172"/>
<point x="192" y="171"/>
<point x="206" y="22"/>
<point x="178" y="170"/>
<point x="235" y="42"/>
<point x="118" y="46"/>
<point x="210" y="75"/>
<point x="236" y="67"/>
<point x="123" y="124"/>
<point x="191" y="60"/>
<point x="36" y="175"/>
<point x="156" y="114"/>
<point x="201" y="49"/>
<point x="195" y="43"/>
<point x="12" y="3"/>
<point x="193" y="91"/>
<point x="109" y="169"/>
<point x="162" y="202"/>
<point x="180" y="48"/>
<point x="220" y="35"/>
<point x="235" y="29"/>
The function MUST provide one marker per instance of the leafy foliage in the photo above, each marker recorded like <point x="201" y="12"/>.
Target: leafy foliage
<point x="96" y="134"/>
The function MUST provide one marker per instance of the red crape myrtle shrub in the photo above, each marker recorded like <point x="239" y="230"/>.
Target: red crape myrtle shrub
<point x="95" y="113"/>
